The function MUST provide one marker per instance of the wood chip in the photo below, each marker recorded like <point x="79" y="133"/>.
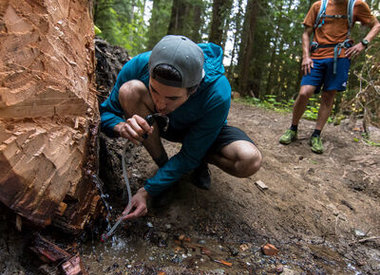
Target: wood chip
<point x="261" y="185"/>
<point x="18" y="223"/>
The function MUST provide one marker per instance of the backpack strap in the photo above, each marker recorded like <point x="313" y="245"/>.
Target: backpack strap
<point x="321" y="14"/>
<point x="350" y="15"/>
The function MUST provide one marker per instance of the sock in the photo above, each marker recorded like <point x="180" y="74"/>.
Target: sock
<point x="294" y="127"/>
<point x="316" y="133"/>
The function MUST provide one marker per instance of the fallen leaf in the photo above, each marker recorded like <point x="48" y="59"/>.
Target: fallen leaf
<point x="223" y="262"/>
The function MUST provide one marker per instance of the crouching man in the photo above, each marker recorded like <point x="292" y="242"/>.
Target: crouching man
<point x="182" y="85"/>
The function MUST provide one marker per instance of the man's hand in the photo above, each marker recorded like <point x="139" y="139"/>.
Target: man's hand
<point x="354" y="50"/>
<point x="307" y="64"/>
<point x="134" y="129"/>
<point x="138" y="204"/>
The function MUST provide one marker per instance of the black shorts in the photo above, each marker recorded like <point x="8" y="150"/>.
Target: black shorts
<point x="227" y="135"/>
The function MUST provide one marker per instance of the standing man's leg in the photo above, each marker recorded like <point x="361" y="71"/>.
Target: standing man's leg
<point x="306" y="91"/>
<point x="300" y="104"/>
<point x="327" y="102"/>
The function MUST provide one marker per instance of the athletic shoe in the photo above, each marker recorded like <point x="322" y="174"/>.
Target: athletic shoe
<point x="201" y="177"/>
<point x="316" y="144"/>
<point x="288" y="137"/>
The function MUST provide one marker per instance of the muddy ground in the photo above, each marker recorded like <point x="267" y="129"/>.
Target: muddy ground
<point x="322" y="212"/>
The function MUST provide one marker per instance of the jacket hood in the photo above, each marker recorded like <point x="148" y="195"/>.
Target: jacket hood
<point x="213" y="64"/>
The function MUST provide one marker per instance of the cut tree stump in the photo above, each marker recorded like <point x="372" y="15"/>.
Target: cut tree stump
<point x="49" y="114"/>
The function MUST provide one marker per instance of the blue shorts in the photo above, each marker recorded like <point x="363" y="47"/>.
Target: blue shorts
<point x="322" y="74"/>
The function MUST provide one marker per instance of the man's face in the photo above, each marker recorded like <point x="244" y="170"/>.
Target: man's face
<point x="166" y="98"/>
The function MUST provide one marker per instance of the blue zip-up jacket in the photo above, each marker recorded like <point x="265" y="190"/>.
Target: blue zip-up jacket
<point x="202" y="115"/>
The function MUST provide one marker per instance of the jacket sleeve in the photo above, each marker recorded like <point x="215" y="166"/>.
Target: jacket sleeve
<point x="111" y="112"/>
<point x="198" y="140"/>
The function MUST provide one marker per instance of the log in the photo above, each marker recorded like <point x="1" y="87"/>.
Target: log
<point x="50" y="253"/>
<point x="49" y="113"/>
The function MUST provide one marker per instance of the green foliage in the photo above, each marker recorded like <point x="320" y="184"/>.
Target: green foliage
<point x="122" y="23"/>
<point x="272" y="71"/>
<point x="159" y="21"/>
<point x="97" y="30"/>
<point x="271" y="102"/>
<point x="366" y="139"/>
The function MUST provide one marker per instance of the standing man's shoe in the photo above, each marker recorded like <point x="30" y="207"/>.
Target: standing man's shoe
<point x="316" y="144"/>
<point x="288" y="137"/>
<point x="201" y="177"/>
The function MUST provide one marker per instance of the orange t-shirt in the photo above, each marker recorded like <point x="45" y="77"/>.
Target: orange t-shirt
<point x="334" y="30"/>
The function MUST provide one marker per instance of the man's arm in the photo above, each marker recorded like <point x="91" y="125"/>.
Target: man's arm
<point x="355" y="50"/>
<point x="307" y="62"/>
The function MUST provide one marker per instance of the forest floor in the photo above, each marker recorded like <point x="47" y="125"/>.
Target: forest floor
<point x="321" y="212"/>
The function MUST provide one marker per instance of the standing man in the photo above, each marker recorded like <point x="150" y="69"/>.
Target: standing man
<point x="184" y="82"/>
<point x="326" y="60"/>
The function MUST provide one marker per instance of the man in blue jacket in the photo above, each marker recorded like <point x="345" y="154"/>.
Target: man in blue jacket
<point x="184" y="82"/>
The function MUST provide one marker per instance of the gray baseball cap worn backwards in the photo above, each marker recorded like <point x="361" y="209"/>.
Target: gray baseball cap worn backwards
<point x="181" y="53"/>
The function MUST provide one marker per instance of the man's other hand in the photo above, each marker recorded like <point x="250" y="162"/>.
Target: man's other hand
<point x="139" y="205"/>
<point x="354" y="50"/>
<point x="307" y="64"/>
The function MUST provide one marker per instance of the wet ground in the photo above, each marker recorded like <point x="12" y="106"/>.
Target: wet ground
<point x="321" y="212"/>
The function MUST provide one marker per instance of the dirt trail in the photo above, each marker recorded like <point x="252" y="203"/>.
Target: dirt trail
<point x="315" y="211"/>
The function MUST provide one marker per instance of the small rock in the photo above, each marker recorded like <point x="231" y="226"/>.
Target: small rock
<point x="269" y="249"/>
<point x="359" y="233"/>
<point x="245" y="246"/>
<point x="288" y="271"/>
<point x="234" y="252"/>
<point x="279" y="268"/>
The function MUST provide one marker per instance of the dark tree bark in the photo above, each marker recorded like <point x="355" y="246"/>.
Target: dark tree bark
<point x="245" y="56"/>
<point x="220" y="15"/>
<point x="177" y="19"/>
<point x="237" y="37"/>
<point x="159" y="22"/>
<point x="197" y="21"/>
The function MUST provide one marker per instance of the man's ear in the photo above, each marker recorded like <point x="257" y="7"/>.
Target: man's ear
<point x="193" y="90"/>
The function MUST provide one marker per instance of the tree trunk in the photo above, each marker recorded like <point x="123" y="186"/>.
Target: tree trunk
<point x="235" y="48"/>
<point x="246" y="46"/>
<point x="220" y="12"/>
<point x="158" y="23"/>
<point x="177" y="19"/>
<point x="197" y="19"/>
<point x="48" y="112"/>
